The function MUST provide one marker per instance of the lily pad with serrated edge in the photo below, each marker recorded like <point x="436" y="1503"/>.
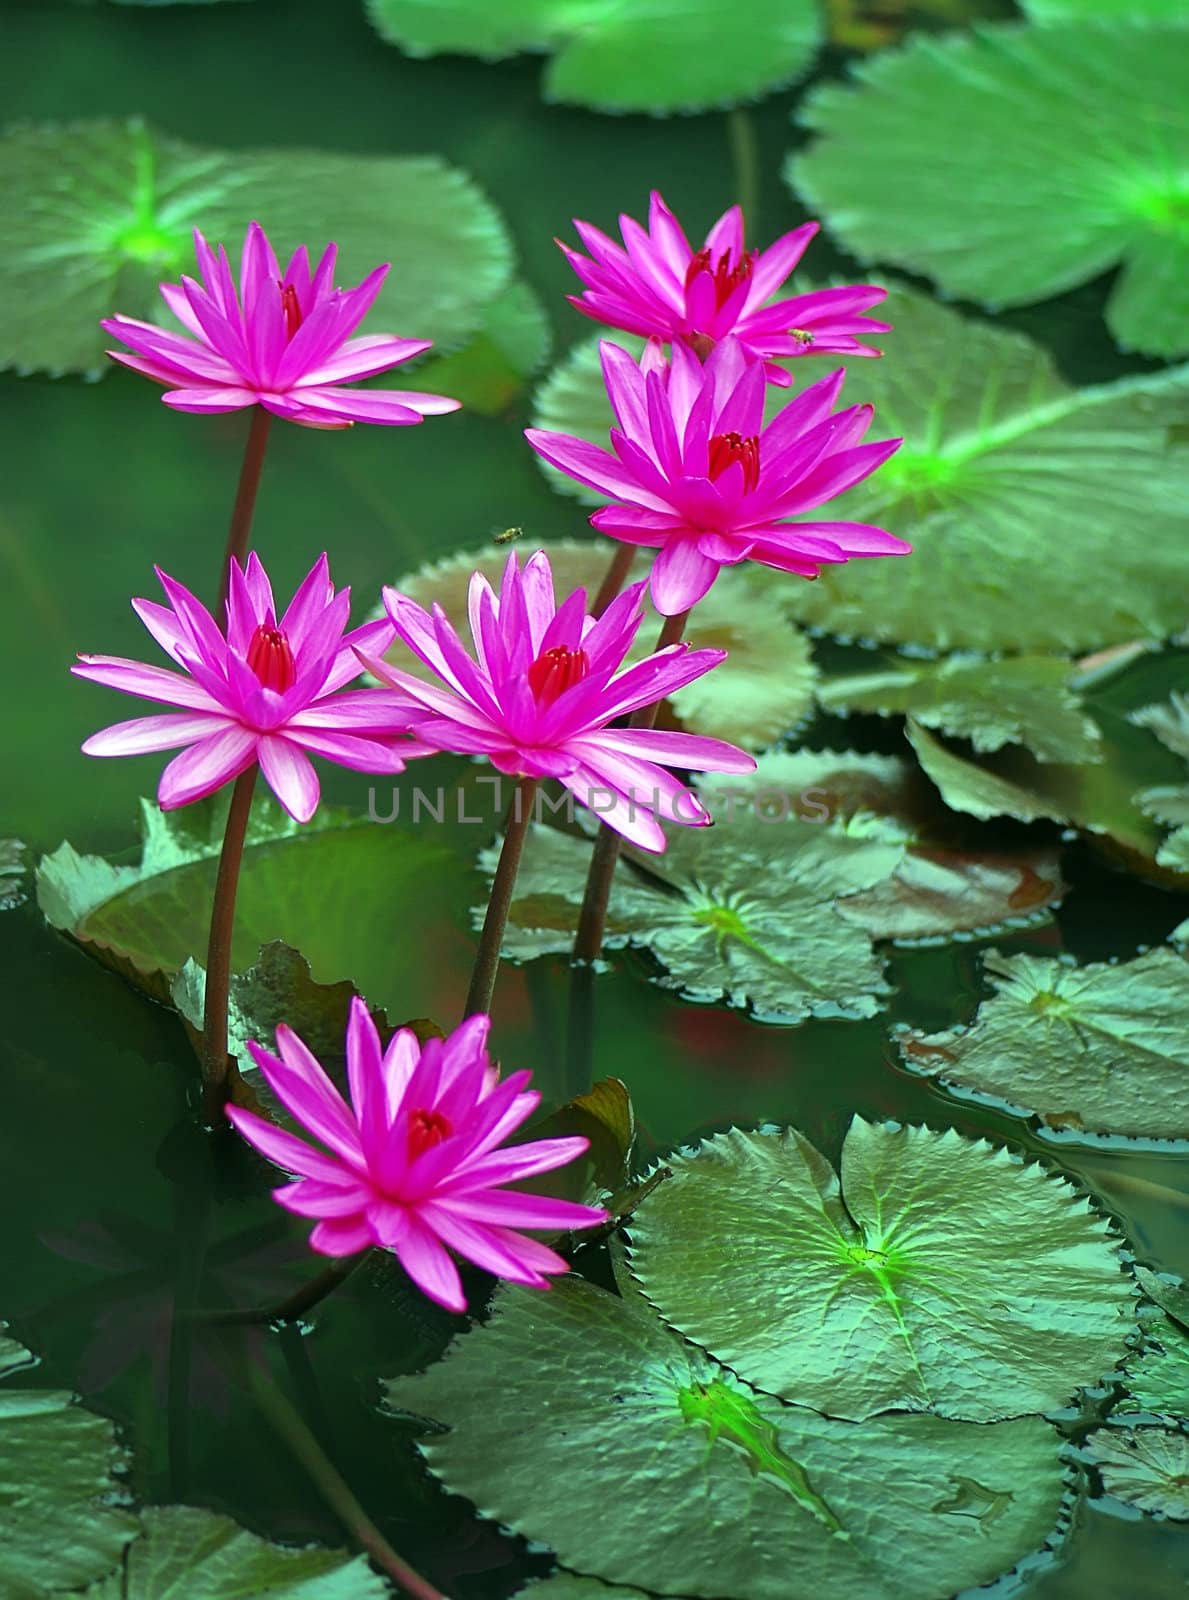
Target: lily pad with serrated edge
<point x="487" y="374"/>
<point x="637" y="1433"/>
<point x="813" y="856"/>
<point x="98" y="213"/>
<point x="1103" y="10"/>
<point x="762" y="690"/>
<point x="184" y="1550"/>
<point x="1146" y="1467"/>
<point x="1098" y="1049"/>
<point x="992" y="702"/>
<point x="615" y="57"/>
<point x="935" y="1273"/>
<point x="988" y="215"/>
<point x="338" y="888"/>
<point x="63" y="1525"/>
<point x="1157" y="1375"/>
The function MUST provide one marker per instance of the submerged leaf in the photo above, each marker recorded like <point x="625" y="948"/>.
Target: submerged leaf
<point x="63" y="1525"/>
<point x="745" y="700"/>
<point x="185" y="1551"/>
<point x="616" y="57"/>
<point x="1013" y="488"/>
<point x="885" y="1287"/>
<point x="1008" y="700"/>
<point x="988" y="214"/>
<point x="637" y="1434"/>
<point x="1146" y="1467"/>
<point x="112" y="206"/>
<point x="1089" y="1050"/>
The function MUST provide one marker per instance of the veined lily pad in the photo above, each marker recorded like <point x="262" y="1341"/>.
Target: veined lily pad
<point x="100" y="212"/>
<point x="569" y="1586"/>
<point x="885" y="1286"/>
<point x="63" y="1525"/>
<point x="637" y="1433"/>
<point x="615" y="57"/>
<point x="1169" y="804"/>
<point x="745" y="700"/>
<point x="1157" y="1376"/>
<point x="1090" y="1050"/>
<point x="1007" y="700"/>
<point x="988" y="215"/>
<point x="1146" y="1467"/>
<point x="337" y="888"/>
<point x="813" y="856"/>
<point x="185" y="1551"/>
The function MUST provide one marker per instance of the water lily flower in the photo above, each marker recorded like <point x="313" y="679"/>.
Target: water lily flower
<point x="283" y="342"/>
<point x="544" y="686"/>
<point x="268" y="692"/>
<point x="696" y="475"/>
<point x="657" y="285"/>
<point x="414" y="1163"/>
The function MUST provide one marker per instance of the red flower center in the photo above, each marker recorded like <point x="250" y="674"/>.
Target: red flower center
<point x="290" y="309"/>
<point x="427" y="1128"/>
<point x="555" y="670"/>
<point x="727" y="448"/>
<point x="271" y="659"/>
<point x="727" y="278"/>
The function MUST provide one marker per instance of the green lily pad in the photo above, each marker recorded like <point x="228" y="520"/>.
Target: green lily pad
<point x="987" y="215"/>
<point x="814" y="856"/>
<point x="1146" y="1467"/>
<point x="1008" y="700"/>
<point x="1099" y="798"/>
<point x="63" y="1525"/>
<point x="1010" y="483"/>
<point x="1099" y="1049"/>
<point x="14" y="868"/>
<point x="637" y="1433"/>
<point x="511" y="343"/>
<point x="1103" y="10"/>
<point x="338" y="888"/>
<point x="569" y="1586"/>
<point x="615" y="57"/>
<point x="1169" y="804"/>
<point x="885" y="1286"/>
<point x="573" y="399"/>
<point x="100" y="212"/>
<point x="1157" y="1376"/>
<point x="182" y="1550"/>
<point x="743" y="700"/>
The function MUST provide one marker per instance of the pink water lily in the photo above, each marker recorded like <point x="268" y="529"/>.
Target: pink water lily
<point x="284" y="342"/>
<point x="657" y="285"/>
<point x="414" y="1163"/>
<point x="696" y="475"/>
<point x="541" y="693"/>
<point x="268" y="692"/>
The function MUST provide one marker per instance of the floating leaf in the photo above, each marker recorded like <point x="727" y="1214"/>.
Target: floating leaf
<point x="184" y="1551"/>
<point x="1008" y="700"/>
<point x="1012" y="488"/>
<point x="511" y="342"/>
<point x="14" y="865"/>
<point x="637" y="1434"/>
<point x="612" y="57"/>
<point x="885" y="1287"/>
<point x="1098" y="797"/>
<point x="100" y="212"/>
<point x="1146" y="1467"/>
<point x="1097" y="1049"/>
<point x="988" y="214"/>
<point x="569" y="1586"/>
<point x="1158" y="1376"/>
<point x="1103" y="10"/>
<point x="62" y="1523"/>
<point x="573" y="399"/>
<point x="338" y="888"/>
<point x="605" y="1118"/>
<point x="1169" y="721"/>
<point x="744" y="701"/>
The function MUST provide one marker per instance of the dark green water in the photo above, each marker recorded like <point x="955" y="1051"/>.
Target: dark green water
<point x="99" y="1168"/>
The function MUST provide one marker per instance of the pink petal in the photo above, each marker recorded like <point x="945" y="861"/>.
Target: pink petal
<point x="206" y="766"/>
<point x="361" y="358"/>
<point x="210" y="399"/>
<point x="693" y="752"/>
<point x="345" y="1237"/>
<point x="511" y="1210"/>
<point x="429" y="1266"/>
<point x="289" y="774"/>
<point x="148" y="683"/>
<point x="680" y="576"/>
<point x="143" y="735"/>
<point x="286" y="1150"/>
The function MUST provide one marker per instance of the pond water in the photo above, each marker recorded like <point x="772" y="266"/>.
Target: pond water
<point x="112" y="1195"/>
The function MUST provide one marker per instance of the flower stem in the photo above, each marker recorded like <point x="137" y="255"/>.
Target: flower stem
<point x="245" y="504"/>
<point x="741" y="136"/>
<point x="333" y="1487"/>
<point x="294" y="1305"/>
<point x="487" y="961"/>
<point x="617" y="576"/>
<point x="218" y="950"/>
<point x="592" y="919"/>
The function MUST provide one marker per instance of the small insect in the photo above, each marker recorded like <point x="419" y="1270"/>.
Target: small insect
<point x="508" y="535"/>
